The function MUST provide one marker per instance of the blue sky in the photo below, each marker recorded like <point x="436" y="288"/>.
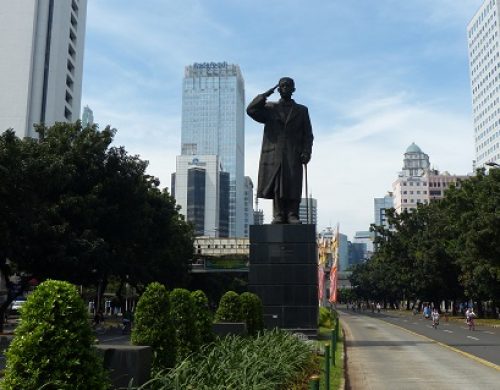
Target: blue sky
<point x="376" y="75"/>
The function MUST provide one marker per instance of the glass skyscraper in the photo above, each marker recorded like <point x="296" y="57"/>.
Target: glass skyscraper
<point x="213" y="114"/>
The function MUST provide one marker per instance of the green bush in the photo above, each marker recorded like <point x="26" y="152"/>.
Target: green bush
<point x="183" y="311"/>
<point x="53" y="344"/>
<point x="153" y="326"/>
<point x="203" y="317"/>
<point x="252" y="312"/>
<point x="325" y="318"/>
<point x="229" y="309"/>
<point x="273" y="360"/>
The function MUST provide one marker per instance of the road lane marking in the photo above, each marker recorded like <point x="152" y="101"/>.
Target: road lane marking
<point x="447" y="331"/>
<point x="473" y="338"/>
<point x="114" y="338"/>
<point x="466" y="354"/>
<point x="487" y="331"/>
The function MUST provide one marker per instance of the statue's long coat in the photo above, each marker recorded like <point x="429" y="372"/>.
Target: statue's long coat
<point x="285" y="139"/>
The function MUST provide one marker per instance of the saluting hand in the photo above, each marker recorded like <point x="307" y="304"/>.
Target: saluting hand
<point x="269" y="92"/>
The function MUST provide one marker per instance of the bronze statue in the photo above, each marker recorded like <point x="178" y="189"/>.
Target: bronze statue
<point x="286" y="145"/>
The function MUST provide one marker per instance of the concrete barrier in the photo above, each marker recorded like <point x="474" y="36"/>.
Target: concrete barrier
<point x="126" y="363"/>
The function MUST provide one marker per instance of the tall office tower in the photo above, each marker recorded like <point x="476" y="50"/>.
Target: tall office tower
<point x="311" y="205"/>
<point x="213" y="115"/>
<point x="201" y="188"/>
<point x="483" y="33"/>
<point x="87" y="117"/>
<point x="248" y="205"/>
<point x="380" y="205"/>
<point x="41" y="62"/>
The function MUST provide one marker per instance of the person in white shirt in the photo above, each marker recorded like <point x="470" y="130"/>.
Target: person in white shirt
<point x="469" y="318"/>
<point x="435" y="318"/>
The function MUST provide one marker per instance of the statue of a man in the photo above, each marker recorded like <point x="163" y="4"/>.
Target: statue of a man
<point x="286" y="145"/>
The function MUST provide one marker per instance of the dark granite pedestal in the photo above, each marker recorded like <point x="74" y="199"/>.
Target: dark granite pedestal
<point x="284" y="274"/>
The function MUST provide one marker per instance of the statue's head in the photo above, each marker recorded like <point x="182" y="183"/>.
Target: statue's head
<point x="286" y="87"/>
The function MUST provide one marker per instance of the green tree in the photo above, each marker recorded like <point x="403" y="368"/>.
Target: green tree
<point x="474" y="221"/>
<point x="153" y="326"/>
<point x="75" y="208"/>
<point x="53" y="344"/>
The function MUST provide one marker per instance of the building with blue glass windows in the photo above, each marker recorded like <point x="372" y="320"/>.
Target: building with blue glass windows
<point x="213" y="108"/>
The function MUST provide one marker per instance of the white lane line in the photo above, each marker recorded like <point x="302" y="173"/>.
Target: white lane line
<point x="405" y="320"/>
<point x="430" y="327"/>
<point x="447" y="331"/>
<point x="473" y="338"/>
<point x="487" y="331"/>
<point x="112" y="339"/>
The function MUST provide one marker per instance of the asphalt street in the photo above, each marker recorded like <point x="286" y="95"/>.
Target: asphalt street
<point x="386" y="351"/>
<point x="484" y="342"/>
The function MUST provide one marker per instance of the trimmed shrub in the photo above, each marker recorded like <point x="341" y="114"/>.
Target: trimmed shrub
<point x="229" y="309"/>
<point x="183" y="315"/>
<point x="153" y="326"/>
<point x="252" y="312"/>
<point x="325" y="317"/>
<point x="53" y="344"/>
<point x="203" y="317"/>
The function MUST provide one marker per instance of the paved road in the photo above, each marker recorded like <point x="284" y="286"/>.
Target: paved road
<point x="484" y="342"/>
<point x="382" y="355"/>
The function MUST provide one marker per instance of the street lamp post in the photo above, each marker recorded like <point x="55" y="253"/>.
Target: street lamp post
<point x="492" y="164"/>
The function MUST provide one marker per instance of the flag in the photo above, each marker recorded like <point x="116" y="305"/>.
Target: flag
<point x="321" y="282"/>
<point x="334" y="247"/>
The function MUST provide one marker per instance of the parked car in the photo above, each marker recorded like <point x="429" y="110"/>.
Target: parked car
<point x="16" y="304"/>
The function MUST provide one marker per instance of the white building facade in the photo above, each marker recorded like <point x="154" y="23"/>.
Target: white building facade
<point x="197" y="188"/>
<point x="41" y="63"/>
<point x="417" y="183"/>
<point x="483" y="34"/>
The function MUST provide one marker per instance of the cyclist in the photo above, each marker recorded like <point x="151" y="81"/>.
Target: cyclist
<point x="469" y="318"/>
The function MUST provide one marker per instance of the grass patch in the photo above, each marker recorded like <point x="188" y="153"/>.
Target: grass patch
<point x="337" y="372"/>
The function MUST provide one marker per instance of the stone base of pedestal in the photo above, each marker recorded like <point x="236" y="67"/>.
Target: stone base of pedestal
<point x="283" y="272"/>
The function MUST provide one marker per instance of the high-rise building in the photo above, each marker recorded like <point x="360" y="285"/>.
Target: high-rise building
<point x="201" y="188"/>
<point x="41" y="63"/>
<point x="380" y="205"/>
<point x="483" y="33"/>
<point x="213" y="117"/>
<point x="365" y="237"/>
<point x="419" y="184"/>
<point x="258" y="214"/>
<point x="248" y="205"/>
<point x="308" y="205"/>
<point x="87" y="117"/>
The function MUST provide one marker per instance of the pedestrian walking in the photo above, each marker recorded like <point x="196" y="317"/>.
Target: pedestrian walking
<point x="435" y="318"/>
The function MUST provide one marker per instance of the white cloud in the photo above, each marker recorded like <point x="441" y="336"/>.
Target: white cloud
<point x="368" y="98"/>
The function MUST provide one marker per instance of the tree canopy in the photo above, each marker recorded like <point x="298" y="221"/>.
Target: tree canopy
<point x="74" y="207"/>
<point x="448" y="249"/>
